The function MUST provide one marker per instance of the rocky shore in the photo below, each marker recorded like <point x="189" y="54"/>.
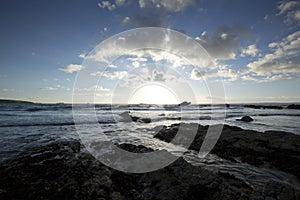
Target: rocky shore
<point x="275" y="149"/>
<point x="64" y="170"/>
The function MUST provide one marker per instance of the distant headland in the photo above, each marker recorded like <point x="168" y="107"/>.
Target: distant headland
<point x="14" y="101"/>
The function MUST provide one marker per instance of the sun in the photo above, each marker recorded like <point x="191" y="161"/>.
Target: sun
<point x="153" y="93"/>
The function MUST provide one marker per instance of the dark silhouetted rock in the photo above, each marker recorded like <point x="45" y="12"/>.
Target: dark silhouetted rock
<point x="246" y="119"/>
<point x="145" y="120"/>
<point x="263" y="107"/>
<point x="293" y="106"/>
<point x="185" y="103"/>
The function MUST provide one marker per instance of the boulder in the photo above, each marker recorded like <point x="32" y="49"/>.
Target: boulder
<point x="246" y="119"/>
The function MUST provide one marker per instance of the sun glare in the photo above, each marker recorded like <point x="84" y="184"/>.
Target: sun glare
<point x="153" y="93"/>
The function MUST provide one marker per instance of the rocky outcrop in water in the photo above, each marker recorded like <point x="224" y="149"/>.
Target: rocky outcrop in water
<point x="273" y="149"/>
<point x="185" y="103"/>
<point x="127" y="117"/>
<point x="246" y="119"/>
<point x="293" y="106"/>
<point x="263" y="107"/>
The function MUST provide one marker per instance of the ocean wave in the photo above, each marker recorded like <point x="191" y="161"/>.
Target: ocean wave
<point x="56" y="124"/>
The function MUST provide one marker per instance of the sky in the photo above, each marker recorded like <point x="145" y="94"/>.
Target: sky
<point x="48" y="47"/>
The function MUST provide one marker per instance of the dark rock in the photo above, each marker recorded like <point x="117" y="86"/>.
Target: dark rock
<point x="144" y="120"/>
<point x="252" y="106"/>
<point x="272" y="107"/>
<point x="293" y="106"/>
<point x="77" y="175"/>
<point x="277" y="149"/>
<point x="246" y="119"/>
<point x="185" y="103"/>
<point x="126" y="117"/>
<point x="134" y="148"/>
<point x="263" y="107"/>
<point x="62" y="171"/>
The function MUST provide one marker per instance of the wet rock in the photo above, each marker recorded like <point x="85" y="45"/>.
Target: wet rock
<point x="246" y="119"/>
<point x="126" y="117"/>
<point x="77" y="175"/>
<point x="134" y="148"/>
<point x="263" y="107"/>
<point x="144" y="120"/>
<point x="276" y="149"/>
<point x="293" y="106"/>
<point x="252" y="106"/>
<point x="185" y="103"/>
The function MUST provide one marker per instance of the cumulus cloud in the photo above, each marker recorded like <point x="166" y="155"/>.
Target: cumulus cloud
<point x="224" y="43"/>
<point x="71" y="68"/>
<point x="251" y="50"/>
<point x="170" y="5"/>
<point x="282" y="63"/>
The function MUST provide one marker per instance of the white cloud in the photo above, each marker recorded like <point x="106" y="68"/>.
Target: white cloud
<point x="82" y="55"/>
<point x="71" y="68"/>
<point x="8" y="90"/>
<point x="297" y="15"/>
<point x="251" y="50"/>
<point x="94" y="88"/>
<point x="138" y="59"/>
<point x="126" y="20"/>
<point x="111" y="6"/>
<point x="227" y="75"/>
<point x="174" y="49"/>
<point x="291" y="11"/>
<point x="170" y="5"/>
<point x="285" y="6"/>
<point x="107" y="4"/>
<point x="49" y="88"/>
<point x="282" y="63"/>
<point x="120" y="2"/>
<point x="110" y="75"/>
<point x="195" y="75"/>
<point x="135" y="64"/>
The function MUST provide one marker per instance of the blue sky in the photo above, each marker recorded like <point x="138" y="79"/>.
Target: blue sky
<point x="255" y="45"/>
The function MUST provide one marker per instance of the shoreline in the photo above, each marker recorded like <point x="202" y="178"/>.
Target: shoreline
<point x="65" y="170"/>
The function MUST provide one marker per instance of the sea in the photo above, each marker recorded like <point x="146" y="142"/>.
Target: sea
<point x="27" y="125"/>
